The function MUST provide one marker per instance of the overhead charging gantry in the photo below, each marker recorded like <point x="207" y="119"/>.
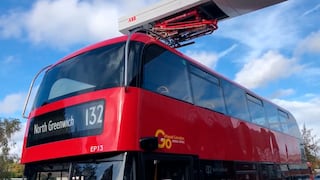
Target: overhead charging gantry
<point x="179" y="21"/>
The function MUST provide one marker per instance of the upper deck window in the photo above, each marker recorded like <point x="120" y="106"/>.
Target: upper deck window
<point x="293" y="127"/>
<point x="235" y="101"/>
<point x="165" y="73"/>
<point x="256" y="110"/>
<point x="272" y="116"/>
<point x="206" y="90"/>
<point x="96" y="69"/>
<point x="284" y="120"/>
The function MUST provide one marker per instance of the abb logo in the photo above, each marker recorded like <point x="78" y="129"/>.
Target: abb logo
<point x="132" y="19"/>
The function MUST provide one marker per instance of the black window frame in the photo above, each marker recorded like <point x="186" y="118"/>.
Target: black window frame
<point x="212" y="81"/>
<point x="284" y="121"/>
<point x="230" y="107"/>
<point x="164" y="90"/>
<point x="258" y="103"/>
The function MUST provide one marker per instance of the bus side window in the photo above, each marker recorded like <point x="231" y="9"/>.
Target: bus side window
<point x="284" y="120"/>
<point x="272" y="116"/>
<point x="206" y="90"/>
<point x="293" y="127"/>
<point x="256" y="110"/>
<point x="235" y="100"/>
<point x="165" y="73"/>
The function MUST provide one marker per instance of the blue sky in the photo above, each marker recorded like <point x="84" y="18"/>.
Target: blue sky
<point x="275" y="51"/>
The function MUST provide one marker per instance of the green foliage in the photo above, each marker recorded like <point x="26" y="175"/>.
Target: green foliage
<point x="9" y="166"/>
<point x="7" y="128"/>
<point x="311" y="146"/>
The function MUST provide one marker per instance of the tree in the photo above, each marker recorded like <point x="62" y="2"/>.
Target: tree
<point x="8" y="127"/>
<point x="311" y="146"/>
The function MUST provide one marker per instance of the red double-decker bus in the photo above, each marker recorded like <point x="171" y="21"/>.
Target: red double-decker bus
<point x="150" y="114"/>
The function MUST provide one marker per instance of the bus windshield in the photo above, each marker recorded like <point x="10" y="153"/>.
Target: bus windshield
<point x="105" y="169"/>
<point x="93" y="70"/>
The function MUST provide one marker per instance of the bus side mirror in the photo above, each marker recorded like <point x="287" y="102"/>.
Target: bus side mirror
<point x="149" y="143"/>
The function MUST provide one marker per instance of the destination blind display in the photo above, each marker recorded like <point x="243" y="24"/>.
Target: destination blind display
<point x="76" y="121"/>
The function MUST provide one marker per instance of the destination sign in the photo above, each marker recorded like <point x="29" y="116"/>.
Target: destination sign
<point x="75" y="121"/>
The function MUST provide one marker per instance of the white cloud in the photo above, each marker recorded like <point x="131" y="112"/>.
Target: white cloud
<point x="9" y="60"/>
<point x="312" y="10"/>
<point x="62" y="23"/>
<point x="11" y="25"/>
<point x="267" y="29"/>
<point x="208" y="58"/>
<point x="282" y="93"/>
<point x="306" y="112"/>
<point x="270" y="67"/>
<point x="227" y="51"/>
<point x="8" y="64"/>
<point x="310" y="44"/>
<point x="65" y="22"/>
<point x="204" y="57"/>
<point x="11" y="103"/>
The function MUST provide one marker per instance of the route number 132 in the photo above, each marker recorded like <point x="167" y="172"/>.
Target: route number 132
<point x="94" y="115"/>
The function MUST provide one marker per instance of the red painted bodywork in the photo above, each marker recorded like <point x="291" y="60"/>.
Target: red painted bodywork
<point x="181" y="128"/>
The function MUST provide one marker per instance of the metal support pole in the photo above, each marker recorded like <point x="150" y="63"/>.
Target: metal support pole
<point x="30" y="90"/>
<point x="126" y="57"/>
